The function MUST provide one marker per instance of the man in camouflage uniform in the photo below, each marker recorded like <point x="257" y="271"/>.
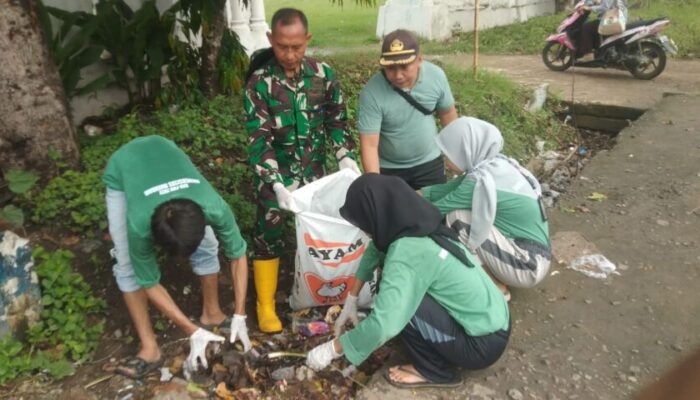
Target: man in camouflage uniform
<point x="292" y="104"/>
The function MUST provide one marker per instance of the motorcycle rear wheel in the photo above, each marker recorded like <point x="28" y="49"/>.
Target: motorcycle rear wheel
<point x="557" y="57"/>
<point x="653" y="61"/>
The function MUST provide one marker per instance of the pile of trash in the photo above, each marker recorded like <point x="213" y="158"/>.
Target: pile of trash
<point x="276" y="365"/>
<point x="555" y="169"/>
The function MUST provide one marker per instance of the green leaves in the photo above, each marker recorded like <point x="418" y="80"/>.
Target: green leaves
<point x="12" y="215"/>
<point x="71" y="47"/>
<point x="68" y="329"/>
<point x="70" y="309"/>
<point x="20" y="181"/>
<point x="73" y="200"/>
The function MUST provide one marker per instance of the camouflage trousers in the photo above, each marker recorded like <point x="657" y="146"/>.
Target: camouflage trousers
<point x="271" y="220"/>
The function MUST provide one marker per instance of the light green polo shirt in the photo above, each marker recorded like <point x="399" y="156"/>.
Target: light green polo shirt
<point x="413" y="268"/>
<point x="151" y="170"/>
<point x="406" y="135"/>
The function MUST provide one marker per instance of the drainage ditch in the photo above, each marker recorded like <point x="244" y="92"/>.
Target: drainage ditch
<point x="598" y="126"/>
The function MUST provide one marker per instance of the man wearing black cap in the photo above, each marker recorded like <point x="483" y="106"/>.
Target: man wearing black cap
<point x="396" y="118"/>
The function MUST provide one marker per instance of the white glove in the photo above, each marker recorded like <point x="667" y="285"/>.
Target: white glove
<point x="348" y="162"/>
<point x="284" y="197"/>
<point x="240" y="330"/>
<point x="198" y="345"/>
<point x="349" y="312"/>
<point x="321" y="356"/>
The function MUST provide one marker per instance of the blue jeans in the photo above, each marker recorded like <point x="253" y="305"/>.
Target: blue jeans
<point x="204" y="261"/>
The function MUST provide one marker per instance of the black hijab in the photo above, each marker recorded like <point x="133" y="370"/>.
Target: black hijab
<point x="388" y="209"/>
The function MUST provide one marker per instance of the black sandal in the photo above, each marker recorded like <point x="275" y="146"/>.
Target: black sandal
<point x="137" y="367"/>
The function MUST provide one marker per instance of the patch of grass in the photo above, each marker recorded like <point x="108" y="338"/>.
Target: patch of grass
<point x="685" y="21"/>
<point x="333" y="25"/>
<point x="528" y="37"/>
<point x="495" y="98"/>
<point x="520" y="38"/>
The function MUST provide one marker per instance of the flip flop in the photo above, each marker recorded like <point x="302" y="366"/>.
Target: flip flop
<point x="415" y="385"/>
<point x="506" y="295"/>
<point x="139" y="366"/>
<point x="222" y="327"/>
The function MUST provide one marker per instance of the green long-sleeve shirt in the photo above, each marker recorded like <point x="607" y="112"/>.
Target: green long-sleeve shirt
<point x="413" y="268"/>
<point x="517" y="216"/>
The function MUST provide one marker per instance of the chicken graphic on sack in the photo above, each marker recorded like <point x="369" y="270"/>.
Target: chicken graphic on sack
<point x="330" y="291"/>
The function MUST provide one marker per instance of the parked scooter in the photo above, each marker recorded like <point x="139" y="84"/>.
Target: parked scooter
<point x="640" y="49"/>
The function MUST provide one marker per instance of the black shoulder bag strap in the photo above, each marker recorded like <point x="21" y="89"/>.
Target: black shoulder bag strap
<point x="408" y="98"/>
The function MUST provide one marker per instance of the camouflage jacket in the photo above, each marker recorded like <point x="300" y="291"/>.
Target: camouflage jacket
<point x="288" y="120"/>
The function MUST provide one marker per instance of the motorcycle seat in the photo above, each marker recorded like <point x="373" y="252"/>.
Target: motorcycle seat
<point x="637" y="24"/>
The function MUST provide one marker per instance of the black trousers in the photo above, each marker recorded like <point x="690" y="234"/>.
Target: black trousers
<point x="590" y="39"/>
<point x="426" y="174"/>
<point x="438" y="344"/>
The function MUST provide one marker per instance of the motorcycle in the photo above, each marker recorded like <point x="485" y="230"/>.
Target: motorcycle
<point x="640" y="49"/>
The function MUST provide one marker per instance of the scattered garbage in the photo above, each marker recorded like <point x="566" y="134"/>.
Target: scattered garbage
<point x="539" y="96"/>
<point x="284" y="373"/>
<point x="165" y="374"/>
<point x="314" y="328"/>
<point x="594" y="266"/>
<point x="595" y="196"/>
<point x="305" y="373"/>
<point x="92" y="130"/>
<point x="276" y="365"/>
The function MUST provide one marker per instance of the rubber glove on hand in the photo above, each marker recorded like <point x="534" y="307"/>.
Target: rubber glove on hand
<point x="198" y="345"/>
<point x="284" y="197"/>
<point x="321" y="356"/>
<point x="349" y="312"/>
<point x="348" y="162"/>
<point x="240" y="330"/>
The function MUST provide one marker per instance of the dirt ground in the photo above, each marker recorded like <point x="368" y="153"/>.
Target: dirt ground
<point x="576" y="337"/>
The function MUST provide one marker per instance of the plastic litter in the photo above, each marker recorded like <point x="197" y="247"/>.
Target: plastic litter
<point x="165" y="375"/>
<point x="314" y="328"/>
<point x="594" y="266"/>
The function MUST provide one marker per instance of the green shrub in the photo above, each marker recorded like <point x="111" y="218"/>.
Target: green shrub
<point x="68" y="329"/>
<point x="74" y="201"/>
<point x="69" y="308"/>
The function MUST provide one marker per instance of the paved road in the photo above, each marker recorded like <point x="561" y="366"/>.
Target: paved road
<point x="610" y="87"/>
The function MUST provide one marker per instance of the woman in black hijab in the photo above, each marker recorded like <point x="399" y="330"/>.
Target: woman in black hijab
<point x="433" y="292"/>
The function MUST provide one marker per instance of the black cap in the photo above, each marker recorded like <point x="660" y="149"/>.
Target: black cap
<point x="399" y="47"/>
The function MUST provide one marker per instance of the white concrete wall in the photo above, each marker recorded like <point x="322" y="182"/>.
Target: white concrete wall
<point x="438" y="19"/>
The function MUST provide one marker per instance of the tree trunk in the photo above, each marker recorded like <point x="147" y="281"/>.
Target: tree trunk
<point x="33" y="107"/>
<point x="211" y="46"/>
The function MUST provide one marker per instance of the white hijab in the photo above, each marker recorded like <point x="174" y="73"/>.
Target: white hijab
<point x="472" y="144"/>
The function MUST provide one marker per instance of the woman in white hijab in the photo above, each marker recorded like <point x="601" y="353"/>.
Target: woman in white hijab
<point x="494" y="204"/>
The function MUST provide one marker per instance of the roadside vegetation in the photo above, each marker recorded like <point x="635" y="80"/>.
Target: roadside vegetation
<point x="334" y="26"/>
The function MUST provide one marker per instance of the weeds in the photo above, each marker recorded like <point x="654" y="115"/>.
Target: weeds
<point x="68" y="329"/>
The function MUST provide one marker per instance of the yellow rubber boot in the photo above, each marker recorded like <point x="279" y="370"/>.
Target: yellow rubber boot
<point x="265" y="276"/>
